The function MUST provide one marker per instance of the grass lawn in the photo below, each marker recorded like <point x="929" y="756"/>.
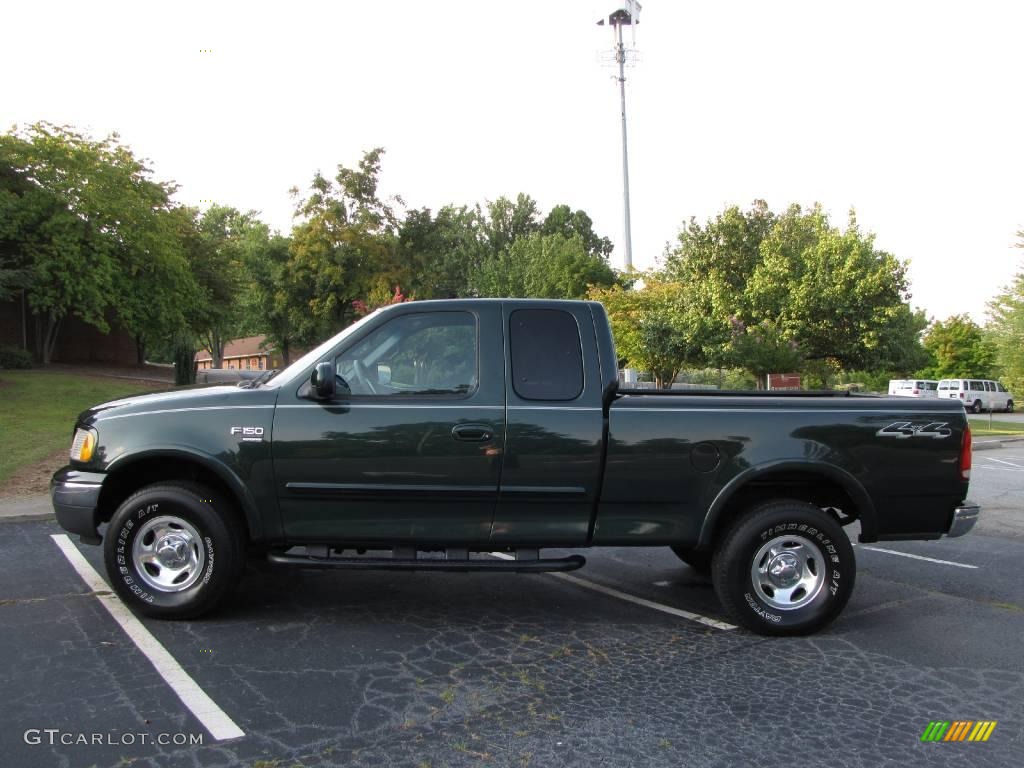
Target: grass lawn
<point x="38" y="410"/>
<point x="980" y="427"/>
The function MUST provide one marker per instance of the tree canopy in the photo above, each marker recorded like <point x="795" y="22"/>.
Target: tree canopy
<point x="1006" y="328"/>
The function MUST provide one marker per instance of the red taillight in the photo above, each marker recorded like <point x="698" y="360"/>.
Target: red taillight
<point x="961" y="395"/>
<point x="917" y="392"/>
<point x="965" y="454"/>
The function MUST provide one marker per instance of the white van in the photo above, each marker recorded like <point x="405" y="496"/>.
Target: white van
<point x="977" y="395"/>
<point x="913" y="388"/>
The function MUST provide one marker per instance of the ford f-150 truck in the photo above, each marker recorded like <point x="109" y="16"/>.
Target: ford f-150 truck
<point x="430" y="434"/>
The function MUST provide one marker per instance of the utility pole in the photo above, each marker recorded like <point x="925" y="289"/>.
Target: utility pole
<point x="628" y="15"/>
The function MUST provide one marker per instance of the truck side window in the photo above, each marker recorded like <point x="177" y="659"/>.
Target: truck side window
<point x="547" y="356"/>
<point x="424" y="353"/>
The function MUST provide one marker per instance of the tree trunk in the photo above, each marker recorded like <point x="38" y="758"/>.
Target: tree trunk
<point x="50" y="337"/>
<point x="286" y="354"/>
<point x="37" y="341"/>
<point x="217" y="349"/>
<point x="140" y="350"/>
<point x="184" y="364"/>
<point x="24" y="322"/>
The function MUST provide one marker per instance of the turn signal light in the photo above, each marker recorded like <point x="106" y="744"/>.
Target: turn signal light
<point x="83" y="445"/>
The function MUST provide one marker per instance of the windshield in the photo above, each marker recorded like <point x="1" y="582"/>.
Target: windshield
<point x="294" y="370"/>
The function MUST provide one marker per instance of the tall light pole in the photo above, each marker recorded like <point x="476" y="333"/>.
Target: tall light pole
<point x="628" y="15"/>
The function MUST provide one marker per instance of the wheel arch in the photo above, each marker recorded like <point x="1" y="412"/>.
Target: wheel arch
<point x="824" y="485"/>
<point x="130" y="472"/>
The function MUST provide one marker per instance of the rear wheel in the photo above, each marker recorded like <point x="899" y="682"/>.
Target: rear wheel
<point x="700" y="561"/>
<point x="976" y="408"/>
<point x="785" y="568"/>
<point x="174" y="550"/>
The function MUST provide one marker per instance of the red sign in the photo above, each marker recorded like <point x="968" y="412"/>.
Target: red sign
<point x="783" y="381"/>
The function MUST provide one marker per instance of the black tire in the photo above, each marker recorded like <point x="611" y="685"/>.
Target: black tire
<point x="1009" y="406"/>
<point x="699" y="560"/>
<point x="976" y="408"/>
<point x="807" y="536"/>
<point x="192" y="527"/>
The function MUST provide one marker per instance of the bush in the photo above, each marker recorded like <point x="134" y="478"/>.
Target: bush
<point x="12" y="357"/>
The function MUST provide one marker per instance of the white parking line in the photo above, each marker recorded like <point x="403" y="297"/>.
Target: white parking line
<point x="632" y="598"/>
<point x="919" y="557"/>
<point x="1000" y="461"/>
<point x="207" y="712"/>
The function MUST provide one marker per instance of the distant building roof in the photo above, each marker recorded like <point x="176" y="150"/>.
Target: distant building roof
<point x="249" y="346"/>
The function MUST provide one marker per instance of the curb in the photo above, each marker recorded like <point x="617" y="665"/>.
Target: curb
<point x="987" y="445"/>
<point x="26" y="508"/>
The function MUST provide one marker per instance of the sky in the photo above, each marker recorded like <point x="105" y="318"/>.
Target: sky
<point x="909" y="112"/>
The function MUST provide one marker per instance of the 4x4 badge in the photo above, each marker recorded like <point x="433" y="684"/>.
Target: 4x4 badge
<point x="901" y="430"/>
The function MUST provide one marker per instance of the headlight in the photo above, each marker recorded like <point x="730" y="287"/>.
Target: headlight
<point x="83" y="445"/>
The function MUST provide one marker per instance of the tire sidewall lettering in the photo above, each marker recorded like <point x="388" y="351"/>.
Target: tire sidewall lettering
<point x="126" y="568"/>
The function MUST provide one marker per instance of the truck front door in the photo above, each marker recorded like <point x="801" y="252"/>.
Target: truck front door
<point x="414" y="454"/>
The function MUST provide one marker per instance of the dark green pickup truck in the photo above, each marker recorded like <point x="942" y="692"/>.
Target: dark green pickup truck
<point x="431" y="434"/>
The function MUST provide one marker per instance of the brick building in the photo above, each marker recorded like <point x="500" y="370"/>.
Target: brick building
<point x="246" y="354"/>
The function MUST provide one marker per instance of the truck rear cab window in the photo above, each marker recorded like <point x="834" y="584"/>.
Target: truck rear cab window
<point x="547" y="355"/>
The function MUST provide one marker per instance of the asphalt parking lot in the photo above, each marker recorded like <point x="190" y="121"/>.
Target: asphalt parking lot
<point x="382" y="669"/>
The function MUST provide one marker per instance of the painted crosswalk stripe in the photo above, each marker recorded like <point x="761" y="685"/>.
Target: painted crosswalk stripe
<point x="206" y="711"/>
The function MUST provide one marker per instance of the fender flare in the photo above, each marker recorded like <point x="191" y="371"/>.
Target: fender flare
<point x="234" y="483"/>
<point x="866" y="512"/>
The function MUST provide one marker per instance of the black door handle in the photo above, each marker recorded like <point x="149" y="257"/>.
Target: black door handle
<point x="472" y="433"/>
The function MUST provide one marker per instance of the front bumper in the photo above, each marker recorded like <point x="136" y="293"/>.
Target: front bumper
<point x="75" y="496"/>
<point x="964" y="518"/>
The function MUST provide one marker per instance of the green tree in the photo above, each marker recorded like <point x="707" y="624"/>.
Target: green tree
<point x="346" y="240"/>
<point x="544" y="266"/>
<point x="562" y="220"/>
<point x="439" y="255"/>
<point x="265" y="257"/>
<point x="762" y="349"/>
<point x="829" y="291"/>
<point x="216" y="251"/>
<point x="664" y="326"/>
<point x="507" y="221"/>
<point x="959" y="348"/>
<point x="85" y="228"/>
<point x="724" y="252"/>
<point x="1006" y="330"/>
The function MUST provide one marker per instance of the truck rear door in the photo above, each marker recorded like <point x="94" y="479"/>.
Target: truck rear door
<point x="551" y="472"/>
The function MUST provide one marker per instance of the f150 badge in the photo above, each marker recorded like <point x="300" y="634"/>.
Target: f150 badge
<point x="249" y="434"/>
<point x="901" y="430"/>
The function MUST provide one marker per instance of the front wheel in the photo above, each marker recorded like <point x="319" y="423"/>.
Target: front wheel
<point x="785" y="568"/>
<point x="174" y="550"/>
<point x="1009" y="406"/>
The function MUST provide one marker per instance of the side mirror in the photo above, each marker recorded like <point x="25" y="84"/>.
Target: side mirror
<point x="383" y="373"/>
<point x="322" y="381"/>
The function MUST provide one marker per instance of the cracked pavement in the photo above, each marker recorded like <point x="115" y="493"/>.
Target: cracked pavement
<point x="392" y="669"/>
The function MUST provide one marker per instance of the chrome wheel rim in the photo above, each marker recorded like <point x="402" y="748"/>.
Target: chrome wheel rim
<point x="788" y="572"/>
<point x="168" y="554"/>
